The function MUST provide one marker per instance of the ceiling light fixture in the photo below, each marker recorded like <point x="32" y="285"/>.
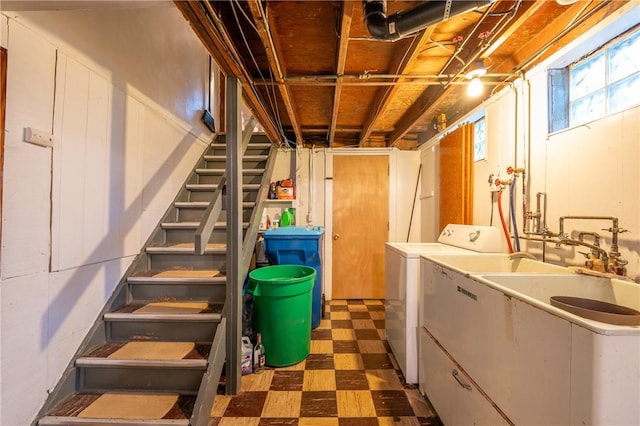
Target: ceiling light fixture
<point x="475" y="87"/>
<point x="476" y="69"/>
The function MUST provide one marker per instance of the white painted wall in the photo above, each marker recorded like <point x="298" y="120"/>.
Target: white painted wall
<point x="76" y="214"/>
<point x="590" y="170"/>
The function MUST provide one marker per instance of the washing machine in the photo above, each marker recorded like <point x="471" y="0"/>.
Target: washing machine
<point x="402" y="283"/>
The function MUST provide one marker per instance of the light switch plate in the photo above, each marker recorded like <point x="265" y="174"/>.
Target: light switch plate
<point x="38" y="137"/>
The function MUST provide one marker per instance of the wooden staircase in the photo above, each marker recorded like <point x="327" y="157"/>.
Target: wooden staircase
<point x="156" y="352"/>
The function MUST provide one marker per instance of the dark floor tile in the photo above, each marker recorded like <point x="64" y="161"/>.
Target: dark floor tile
<point x="360" y="421"/>
<point x="351" y="380"/>
<point x="376" y="361"/>
<point x="339" y="308"/>
<point x="214" y="421"/>
<point x="379" y="324"/>
<point x="360" y="315"/>
<point x="391" y="403"/>
<point x="287" y="380"/>
<point x="429" y="421"/>
<point x="386" y="345"/>
<point x="277" y="421"/>
<point x="345" y="347"/>
<point x="319" y="362"/>
<point x="341" y="324"/>
<point x="367" y="334"/>
<point x="321" y="334"/>
<point x="319" y="404"/>
<point x="355" y="302"/>
<point x="246" y="404"/>
<point x="376" y="308"/>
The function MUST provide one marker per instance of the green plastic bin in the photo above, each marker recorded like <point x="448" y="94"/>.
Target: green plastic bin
<point x="282" y="311"/>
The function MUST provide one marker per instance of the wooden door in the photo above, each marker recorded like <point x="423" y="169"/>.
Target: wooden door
<point x="360" y="225"/>
<point x="456" y="177"/>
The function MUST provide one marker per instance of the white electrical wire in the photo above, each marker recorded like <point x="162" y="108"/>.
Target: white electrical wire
<point x="271" y="96"/>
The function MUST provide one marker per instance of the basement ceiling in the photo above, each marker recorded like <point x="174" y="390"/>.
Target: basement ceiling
<point x="314" y="75"/>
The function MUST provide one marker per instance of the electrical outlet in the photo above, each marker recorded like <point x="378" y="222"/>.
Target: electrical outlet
<point x="38" y="137"/>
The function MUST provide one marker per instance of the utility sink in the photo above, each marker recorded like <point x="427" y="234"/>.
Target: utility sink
<point x="597" y="310"/>
<point x="496" y="263"/>
<point x="607" y="300"/>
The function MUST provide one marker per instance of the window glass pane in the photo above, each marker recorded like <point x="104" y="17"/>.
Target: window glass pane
<point x="480" y="140"/>
<point x="624" y="58"/>
<point x="587" y="77"/>
<point x="624" y="94"/>
<point x="587" y="108"/>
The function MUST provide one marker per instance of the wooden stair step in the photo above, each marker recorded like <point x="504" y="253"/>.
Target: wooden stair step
<point x="189" y="276"/>
<point x="216" y="172"/>
<point x="205" y="204"/>
<point x="122" y="408"/>
<point x="156" y="354"/>
<point x="187" y="248"/>
<point x="195" y="225"/>
<point x="244" y="158"/>
<point x="167" y="310"/>
<point x="214" y="186"/>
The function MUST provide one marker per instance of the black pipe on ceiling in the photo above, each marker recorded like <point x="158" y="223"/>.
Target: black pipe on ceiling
<point x="401" y="24"/>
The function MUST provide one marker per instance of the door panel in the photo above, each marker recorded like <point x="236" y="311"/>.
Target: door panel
<point x="360" y="225"/>
<point x="456" y="177"/>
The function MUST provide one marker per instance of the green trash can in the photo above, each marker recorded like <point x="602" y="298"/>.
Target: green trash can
<point x="282" y="311"/>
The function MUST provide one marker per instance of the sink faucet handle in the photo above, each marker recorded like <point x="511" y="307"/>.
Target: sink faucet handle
<point x="616" y="230"/>
<point x="585" y="254"/>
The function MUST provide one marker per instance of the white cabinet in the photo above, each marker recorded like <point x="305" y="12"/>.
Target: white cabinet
<point x="515" y="352"/>
<point x="453" y="394"/>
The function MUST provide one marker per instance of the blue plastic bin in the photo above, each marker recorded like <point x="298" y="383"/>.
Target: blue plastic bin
<point x="299" y="245"/>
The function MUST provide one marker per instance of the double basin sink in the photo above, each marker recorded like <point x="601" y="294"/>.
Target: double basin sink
<point x="558" y="289"/>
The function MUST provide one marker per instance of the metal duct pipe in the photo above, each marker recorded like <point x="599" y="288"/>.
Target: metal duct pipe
<point x="401" y="24"/>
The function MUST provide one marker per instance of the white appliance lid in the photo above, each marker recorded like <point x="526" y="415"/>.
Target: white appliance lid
<point x="483" y="239"/>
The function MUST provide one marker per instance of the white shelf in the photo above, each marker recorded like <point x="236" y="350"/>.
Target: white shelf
<point x="279" y="201"/>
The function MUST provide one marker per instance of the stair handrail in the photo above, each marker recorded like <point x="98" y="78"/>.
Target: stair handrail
<point x="251" y="236"/>
<point x="212" y="213"/>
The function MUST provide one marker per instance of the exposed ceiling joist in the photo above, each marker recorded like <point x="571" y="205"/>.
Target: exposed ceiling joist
<point x="343" y="42"/>
<point x="269" y="39"/>
<point x="401" y="62"/>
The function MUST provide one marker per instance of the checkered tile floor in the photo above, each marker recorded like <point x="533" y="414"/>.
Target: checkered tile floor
<point x="350" y="378"/>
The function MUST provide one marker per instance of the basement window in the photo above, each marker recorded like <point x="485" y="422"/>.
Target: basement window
<point x="479" y="140"/>
<point x="603" y="82"/>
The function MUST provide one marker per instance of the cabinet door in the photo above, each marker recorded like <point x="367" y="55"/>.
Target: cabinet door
<point x="434" y="377"/>
<point x="451" y="392"/>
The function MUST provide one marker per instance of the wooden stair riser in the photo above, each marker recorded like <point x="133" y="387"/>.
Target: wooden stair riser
<point x="174" y="380"/>
<point x="199" y="332"/>
<point x="163" y="262"/>
<point x="213" y="293"/>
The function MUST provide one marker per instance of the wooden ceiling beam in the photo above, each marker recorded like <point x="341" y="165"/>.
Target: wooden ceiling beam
<point x="567" y="26"/>
<point x="209" y="29"/>
<point x="401" y="61"/>
<point x="341" y="59"/>
<point x="267" y="34"/>
<point x="516" y="25"/>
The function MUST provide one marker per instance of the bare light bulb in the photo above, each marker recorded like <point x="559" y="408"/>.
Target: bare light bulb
<point x="475" y="87"/>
